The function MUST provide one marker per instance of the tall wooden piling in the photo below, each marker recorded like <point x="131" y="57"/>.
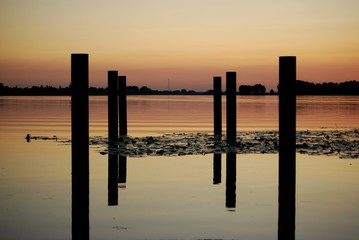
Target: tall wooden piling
<point x="122" y="105"/>
<point x="112" y="106"/>
<point x="287" y="140"/>
<point x="80" y="145"/>
<point x="217" y="106"/>
<point x="231" y="87"/>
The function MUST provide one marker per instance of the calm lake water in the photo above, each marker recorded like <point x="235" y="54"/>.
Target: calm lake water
<point x="173" y="197"/>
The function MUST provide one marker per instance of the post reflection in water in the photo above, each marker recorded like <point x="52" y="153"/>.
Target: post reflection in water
<point x="217" y="168"/>
<point x="122" y="171"/>
<point x="112" y="180"/>
<point x="80" y="208"/>
<point x="117" y="172"/>
<point x="286" y="210"/>
<point x="231" y="176"/>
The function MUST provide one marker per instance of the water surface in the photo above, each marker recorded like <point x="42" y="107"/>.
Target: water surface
<point x="155" y="115"/>
<point x="172" y="197"/>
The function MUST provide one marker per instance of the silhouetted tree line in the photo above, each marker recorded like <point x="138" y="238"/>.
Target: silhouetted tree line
<point x="45" y="90"/>
<point x="257" y="89"/>
<point x="49" y="91"/>
<point x="302" y="88"/>
<point x="134" y="90"/>
<point x="327" y="88"/>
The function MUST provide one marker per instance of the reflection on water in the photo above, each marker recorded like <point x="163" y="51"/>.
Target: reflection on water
<point x="80" y="209"/>
<point x="174" y="197"/>
<point x="231" y="178"/>
<point x="112" y="180"/>
<point x="170" y="197"/>
<point x="117" y="174"/>
<point x="286" y="196"/>
<point x="217" y="168"/>
<point x="122" y="171"/>
<point x="286" y="218"/>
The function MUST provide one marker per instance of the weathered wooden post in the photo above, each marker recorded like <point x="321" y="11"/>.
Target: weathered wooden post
<point x="287" y="140"/>
<point x="231" y="87"/>
<point x="122" y="105"/>
<point x="231" y="178"/>
<point x="80" y="146"/>
<point x="112" y="178"/>
<point x="217" y="168"/>
<point x="217" y="107"/>
<point x="112" y="106"/>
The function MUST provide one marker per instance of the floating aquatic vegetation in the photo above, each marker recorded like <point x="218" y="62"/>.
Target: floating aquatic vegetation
<point x="331" y="143"/>
<point x="341" y="143"/>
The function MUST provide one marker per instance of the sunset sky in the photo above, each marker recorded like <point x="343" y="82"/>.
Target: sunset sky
<point x="186" y="41"/>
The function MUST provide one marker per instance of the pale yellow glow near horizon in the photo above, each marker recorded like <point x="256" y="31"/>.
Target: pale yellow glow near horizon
<point x="187" y="41"/>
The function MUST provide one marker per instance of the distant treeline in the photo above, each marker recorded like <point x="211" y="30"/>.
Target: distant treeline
<point x="257" y="89"/>
<point x="64" y="91"/>
<point x="327" y="88"/>
<point x="302" y="88"/>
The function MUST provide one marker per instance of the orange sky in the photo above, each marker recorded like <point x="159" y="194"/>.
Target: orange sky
<point x="185" y="41"/>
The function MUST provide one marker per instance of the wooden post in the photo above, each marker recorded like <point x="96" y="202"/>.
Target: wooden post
<point x="80" y="146"/>
<point x="217" y="107"/>
<point x="112" y="106"/>
<point x="122" y="105"/>
<point x="112" y="178"/>
<point x="231" y="87"/>
<point x="287" y="140"/>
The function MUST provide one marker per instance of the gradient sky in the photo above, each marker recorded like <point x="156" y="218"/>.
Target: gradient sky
<point x="187" y="41"/>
